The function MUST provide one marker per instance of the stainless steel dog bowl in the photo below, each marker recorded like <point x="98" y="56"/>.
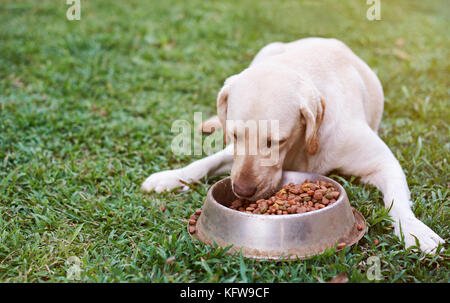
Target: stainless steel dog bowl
<point x="284" y="236"/>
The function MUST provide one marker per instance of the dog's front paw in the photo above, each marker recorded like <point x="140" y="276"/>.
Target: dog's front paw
<point x="413" y="228"/>
<point x="164" y="180"/>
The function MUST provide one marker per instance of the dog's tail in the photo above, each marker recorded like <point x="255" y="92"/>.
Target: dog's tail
<point x="211" y="125"/>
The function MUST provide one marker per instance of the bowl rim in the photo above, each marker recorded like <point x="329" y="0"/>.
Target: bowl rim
<point x="280" y="217"/>
<point x="354" y="238"/>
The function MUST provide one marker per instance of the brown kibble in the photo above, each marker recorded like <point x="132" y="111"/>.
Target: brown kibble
<point x="341" y="278"/>
<point x="191" y="229"/>
<point x="301" y="210"/>
<point x="293" y="191"/>
<point x="170" y="260"/>
<point x="297" y="199"/>
<point x="335" y="194"/>
<point x="341" y="245"/>
<point x="192" y="222"/>
<point x="376" y="241"/>
<point x="359" y="227"/>
<point x="281" y="196"/>
<point x="194" y="217"/>
<point x="198" y="211"/>
<point x="237" y="202"/>
<point x="318" y="196"/>
<point x="291" y="199"/>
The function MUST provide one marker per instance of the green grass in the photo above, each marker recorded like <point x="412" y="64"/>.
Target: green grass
<point x="86" y="109"/>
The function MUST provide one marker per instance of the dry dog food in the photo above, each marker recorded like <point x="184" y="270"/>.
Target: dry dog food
<point x="193" y="221"/>
<point x="292" y="199"/>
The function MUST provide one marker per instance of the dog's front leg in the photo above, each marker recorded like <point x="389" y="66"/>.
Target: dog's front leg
<point x="366" y="155"/>
<point x="215" y="164"/>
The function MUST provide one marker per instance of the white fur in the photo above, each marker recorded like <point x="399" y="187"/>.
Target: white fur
<point x="286" y="81"/>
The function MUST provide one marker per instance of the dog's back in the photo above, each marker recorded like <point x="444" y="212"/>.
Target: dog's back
<point x="333" y="67"/>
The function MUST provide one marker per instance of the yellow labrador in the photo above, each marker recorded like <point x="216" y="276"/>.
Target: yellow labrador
<point x="329" y="104"/>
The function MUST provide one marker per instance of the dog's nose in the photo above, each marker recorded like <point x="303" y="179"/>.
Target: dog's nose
<point x="244" y="190"/>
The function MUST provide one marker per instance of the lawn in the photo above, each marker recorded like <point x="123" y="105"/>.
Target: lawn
<point x="86" y="109"/>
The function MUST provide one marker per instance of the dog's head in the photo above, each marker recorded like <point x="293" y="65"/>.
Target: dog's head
<point x="285" y="109"/>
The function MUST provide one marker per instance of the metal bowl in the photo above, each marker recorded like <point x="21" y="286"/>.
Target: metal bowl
<point x="283" y="236"/>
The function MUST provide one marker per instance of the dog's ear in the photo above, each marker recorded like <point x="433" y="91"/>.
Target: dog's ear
<point x="222" y="105"/>
<point x="313" y="112"/>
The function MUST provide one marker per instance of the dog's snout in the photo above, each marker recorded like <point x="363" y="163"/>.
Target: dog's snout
<point x="244" y="190"/>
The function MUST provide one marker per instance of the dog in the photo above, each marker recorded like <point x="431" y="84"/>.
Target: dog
<point x="329" y="104"/>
